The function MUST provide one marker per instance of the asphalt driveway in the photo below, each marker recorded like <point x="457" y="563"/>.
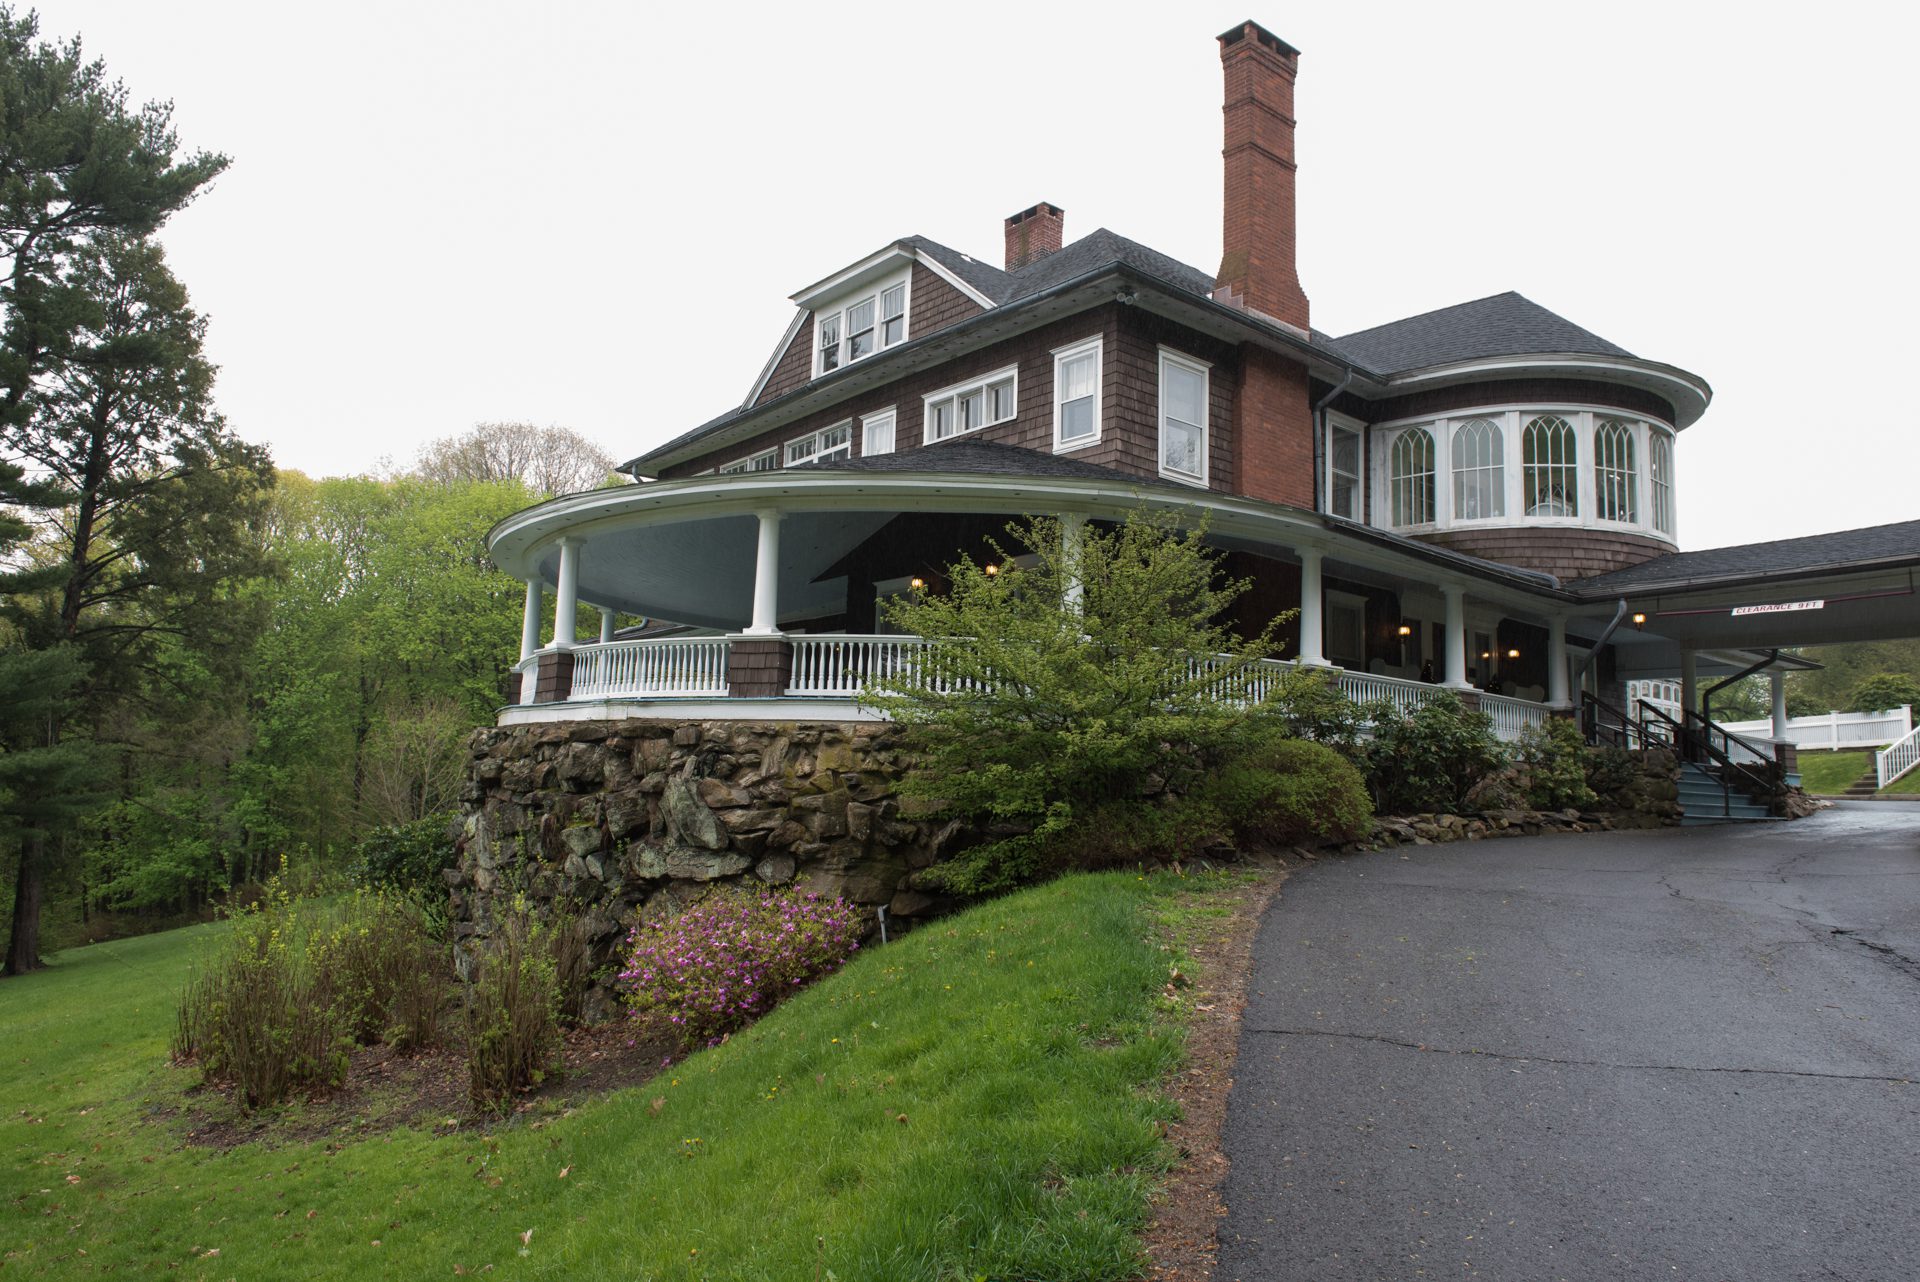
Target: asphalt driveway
<point x="1687" y="1054"/>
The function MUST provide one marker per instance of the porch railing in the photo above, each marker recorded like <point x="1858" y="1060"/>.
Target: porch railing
<point x="1896" y="759"/>
<point x="668" y="666"/>
<point x="841" y="667"/>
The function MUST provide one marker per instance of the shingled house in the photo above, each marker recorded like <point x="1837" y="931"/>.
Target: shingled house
<point x="1481" y="498"/>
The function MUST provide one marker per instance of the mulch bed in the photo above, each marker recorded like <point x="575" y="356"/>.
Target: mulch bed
<point x="385" y="1090"/>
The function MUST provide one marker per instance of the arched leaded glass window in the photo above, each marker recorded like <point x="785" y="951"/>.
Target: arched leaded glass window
<point x="1550" y="467"/>
<point x="1615" y="483"/>
<point x="1479" y="470"/>
<point x="1410" y="477"/>
<point x="1660" y="470"/>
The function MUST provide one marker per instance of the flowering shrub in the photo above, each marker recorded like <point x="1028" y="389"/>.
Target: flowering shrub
<point x="734" y="956"/>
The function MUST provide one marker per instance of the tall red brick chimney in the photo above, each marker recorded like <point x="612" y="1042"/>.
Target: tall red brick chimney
<point x="1257" y="251"/>
<point x="1034" y="233"/>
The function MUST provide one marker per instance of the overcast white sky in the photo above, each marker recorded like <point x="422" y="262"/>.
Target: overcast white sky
<point x="592" y="214"/>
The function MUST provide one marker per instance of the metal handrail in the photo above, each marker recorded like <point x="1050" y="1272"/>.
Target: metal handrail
<point x="1696" y="744"/>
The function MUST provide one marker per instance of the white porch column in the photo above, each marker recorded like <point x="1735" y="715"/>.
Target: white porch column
<point x="530" y="619"/>
<point x="766" y="577"/>
<point x="1778" y="681"/>
<point x="606" y="625"/>
<point x="1456" y="599"/>
<point x="1073" y="529"/>
<point x="566" y="600"/>
<point x="1557" y="661"/>
<point x="1689" y="683"/>
<point x="1313" y="625"/>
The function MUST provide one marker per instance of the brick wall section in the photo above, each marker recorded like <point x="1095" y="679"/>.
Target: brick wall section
<point x="1564" y="553"/>
<point x="1273" y="429"/>
<point x="759" y="668"/>
<point x="1257" y="263"/>
<point x="1034" y="233"/>
<point x="794" y="368"/>
<point x="1546" y="392"/>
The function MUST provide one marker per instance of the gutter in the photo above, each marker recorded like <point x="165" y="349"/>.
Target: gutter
<point x="1320" y="442"/>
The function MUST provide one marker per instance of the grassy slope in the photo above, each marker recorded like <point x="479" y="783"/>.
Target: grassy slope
<point x="1832" y="771"/>
<point x="975" y="1099"/>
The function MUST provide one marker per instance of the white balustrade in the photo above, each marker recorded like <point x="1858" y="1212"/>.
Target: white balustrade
<point x="1371" y="687"/>
<point x="1896" y="759"/>
<point x="668" y="666"/>
<point x="843" y="666"/>
<point x="1511" y="715"/>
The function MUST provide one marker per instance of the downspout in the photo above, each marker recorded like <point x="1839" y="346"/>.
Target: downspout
<point x="1706" y="696"/>
<point x="1319" y="419"/>
<point x="1606" y="634"/>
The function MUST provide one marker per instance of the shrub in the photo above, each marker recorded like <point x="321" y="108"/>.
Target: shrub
<point x="734" y="956"/>
<point x="1555" y="758"/>
<point x="1307" y="706"/>
<point x="1084" y="672"/>
<point x="255" y="1015"/>
<point x="1884" y="690"/>
<point x="408" y="857"/>
<point x="380" y="970"/>
<point x="1290" y="791"/>
<point x="1130" y="832"/>
<point x="513" y="1012"/>
<point x="1431" y="759"/>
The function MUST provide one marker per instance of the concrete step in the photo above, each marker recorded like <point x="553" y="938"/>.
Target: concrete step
<point x="1704" y="801"/>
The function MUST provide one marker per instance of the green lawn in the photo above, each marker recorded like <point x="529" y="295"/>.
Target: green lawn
<point x="979" y="1098"/>
<point x="1832" y="771"/>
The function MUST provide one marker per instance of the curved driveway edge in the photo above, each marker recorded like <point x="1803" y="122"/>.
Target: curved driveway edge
<point x="1681" y="1054"/>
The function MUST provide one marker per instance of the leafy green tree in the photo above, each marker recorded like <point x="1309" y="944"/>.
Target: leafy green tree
<point x="1081" y="674"/>
<point x="1885" y="690"/>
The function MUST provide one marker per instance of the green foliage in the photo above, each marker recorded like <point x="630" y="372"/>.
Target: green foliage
<point x="1844" y="667"/>
<point x="513" y="1009"/>
<point x="1555" y="757"/>
<point x="1044" y="710"/>
<point x="1432" y="758"/>
<point x="1291" y="790"/>
<point x="1885" y="690"/>
<point x="279" y="1001"/>
<point x="1308" y="706"/>
<point x="408" y="857"/>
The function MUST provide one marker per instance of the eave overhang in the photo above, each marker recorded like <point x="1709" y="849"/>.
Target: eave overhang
<point x="1688" y="393"/>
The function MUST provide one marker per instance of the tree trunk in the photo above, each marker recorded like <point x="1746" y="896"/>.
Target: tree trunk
<point x="23" y="943"/>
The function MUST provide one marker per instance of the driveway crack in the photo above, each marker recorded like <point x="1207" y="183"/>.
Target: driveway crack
<point x="1475" y="1053"/>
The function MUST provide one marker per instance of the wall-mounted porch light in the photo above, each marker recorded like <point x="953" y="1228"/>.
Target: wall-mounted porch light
<point x="990" y="569"/>
<point x="1513" y="654"/>
<point x="916" y="583"/>
<point x="1640" y="621"/>
<point x="1405" y="631"/>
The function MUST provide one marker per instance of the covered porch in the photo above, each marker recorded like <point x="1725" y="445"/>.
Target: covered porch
<point x="783" y="577"/>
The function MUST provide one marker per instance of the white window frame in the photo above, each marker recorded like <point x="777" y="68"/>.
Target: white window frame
<point x="1193" y="365"/>
<point x="1492" y="475"/>
<point x="1660" y="481"/>
<point x="1337" y="422"/>
<point x="959" y="392"/>
<point x="1073" y="351"/>
<point x="870" y="421"/>
<point x="751" y="463"/>
<point x="839" y="311"/>
<point x="815" y="449"/>
<point x="1435" y="434"/>
<point x="1617" y="465"/>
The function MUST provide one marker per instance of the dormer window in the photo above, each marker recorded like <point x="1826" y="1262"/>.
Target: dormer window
<point x="856" y="327"/>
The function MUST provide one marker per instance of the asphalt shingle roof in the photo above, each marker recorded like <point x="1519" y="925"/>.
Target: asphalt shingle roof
<point x="981" y="458"/>
<point x="1811" y="553"/>
<point x="1502" y="325"/>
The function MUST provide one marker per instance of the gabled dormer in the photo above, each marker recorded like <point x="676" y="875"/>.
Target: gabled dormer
<point x="907" y="290"/>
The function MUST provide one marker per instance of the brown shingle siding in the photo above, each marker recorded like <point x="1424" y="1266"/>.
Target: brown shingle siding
<point x="932" y="304"/>
<point x="1563" y="553"/>
<point x="794" y="367"/>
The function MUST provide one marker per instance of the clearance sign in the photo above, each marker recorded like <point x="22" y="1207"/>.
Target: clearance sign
<point x="1783" y="607"/>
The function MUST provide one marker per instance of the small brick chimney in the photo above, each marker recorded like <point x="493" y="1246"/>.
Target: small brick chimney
<point x="1034" y="233"/>
<point x="1257" y="251"/>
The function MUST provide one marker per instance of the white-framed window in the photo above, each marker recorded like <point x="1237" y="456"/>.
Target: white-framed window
<point x="968" y="407"/>
<point x="823" y="446"/>
<point x="854" y="328"/>
<point x="1479" y="470"/>
<point x="1184" y="402"/>
<point x="1616" y="483"/>
<point x="876" y="432"/>
<point x="1660" y="470"/>
<point x="1343" y="467"/>
<point x="1550" y="466"/>
<point x="765" y="461"/>
<point x="1410" y="477"/>
<point x="1076" y="395"/>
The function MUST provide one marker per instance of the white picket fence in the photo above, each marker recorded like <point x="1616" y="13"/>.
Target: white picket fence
<point x="1831" y="731"/>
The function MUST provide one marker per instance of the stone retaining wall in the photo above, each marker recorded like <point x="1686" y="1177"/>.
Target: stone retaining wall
<point x="621" y="819"/>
